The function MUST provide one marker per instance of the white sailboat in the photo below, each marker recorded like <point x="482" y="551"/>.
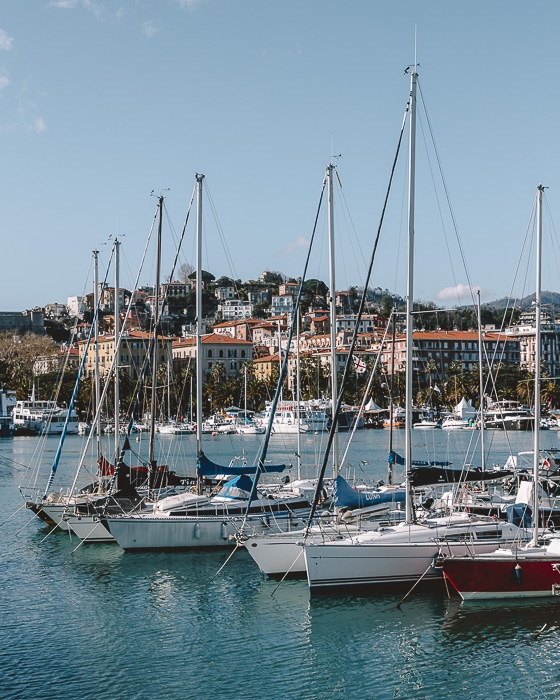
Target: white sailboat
<point x="282" y="553"/>
<point x="53" y="507"/>
<point x="195" y="520"/>
<point x="243" y="424"/>
<point x="405" y="552"/>
<point x="119" y="487"/>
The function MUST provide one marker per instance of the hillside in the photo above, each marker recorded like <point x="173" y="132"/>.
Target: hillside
<point x="548" y="298"/>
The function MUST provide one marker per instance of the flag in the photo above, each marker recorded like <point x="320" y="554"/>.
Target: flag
<point x="436" y="388"/>
<point x="364" y="463"/>
<point x="359" y="365"/>
<point x="105" y="467"/>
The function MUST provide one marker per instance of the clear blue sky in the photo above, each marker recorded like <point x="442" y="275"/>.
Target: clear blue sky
<point x="103" y="101"/>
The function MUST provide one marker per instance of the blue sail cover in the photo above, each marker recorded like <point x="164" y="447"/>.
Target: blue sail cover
<point x="347" y="497"/>
<point x="206" y="467"/>
<point x="395" y="458"/>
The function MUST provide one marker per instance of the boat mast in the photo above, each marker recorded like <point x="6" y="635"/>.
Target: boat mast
<point x="391" y="387"/>
<point x="334" y="392"/>
<point x="199" y="179"/>
<point x="481" y="382"/>
<point x="298" y="399"/>
<point x="96" y="365"/>
<point x="155" y="355"/>
<point x="117" y="348"/>
<point x="537" y="412"/>
<point x="409" y="292"/>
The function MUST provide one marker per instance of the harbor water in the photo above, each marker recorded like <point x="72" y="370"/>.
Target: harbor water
<point x="94" y="622"/>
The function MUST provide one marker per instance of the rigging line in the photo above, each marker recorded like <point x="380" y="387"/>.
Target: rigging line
<point x="13" y="464"/>
<point x="287" y="573"/>
<point x="62" y="439"/>
<point x="497" y="351"/>
<point x="413" y="587"/>
<point x="182" y="236"/>
<point x="336" y="413"/>
<point x="35" y="515"/>
<point x="283" y="370"/>
<point x="84" y="539"/>
<point x="12" y="515"/>
<point x="554" y="239"/>
<point x="439" y="209"/>
<point x="444" y="183"/>
<point x="237" y="545"/>
<point x="53" y="530"/>
<point x="366" y="392"/>
<point x="348" y="220"/>
<point x="221" y="234"/>
<point x="62" y="369"/>
<point x="112" y="366"/>
<point x="554" y="611"/>
<point x="403" y="211"/>
<point x="86" y="283"/>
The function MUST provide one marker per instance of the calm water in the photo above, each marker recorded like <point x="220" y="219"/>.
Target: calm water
<point x="94" y="622"/>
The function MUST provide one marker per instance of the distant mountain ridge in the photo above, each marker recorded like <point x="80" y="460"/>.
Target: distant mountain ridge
<point x="548" y="298"/>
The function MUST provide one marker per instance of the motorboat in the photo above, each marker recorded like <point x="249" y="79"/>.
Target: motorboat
<point x="453" y="423"/>
<point x="508" y="415"/>
<point x="44" y="417"/>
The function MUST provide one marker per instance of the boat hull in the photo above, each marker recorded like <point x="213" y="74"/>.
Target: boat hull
<point x="396" y="558"/>
<point x="53" y="514"/>
<point x="89" y="529"/>
<point x="282" y="553"/>
<point x="504" y="577"/>
<point x="192" y="532"/>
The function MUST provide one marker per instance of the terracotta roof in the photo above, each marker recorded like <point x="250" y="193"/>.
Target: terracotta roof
<point x="454" y="335"/>
<point x="266" y="358"/>
<point x="130" y="335"/>
<point x="212" y="339"/>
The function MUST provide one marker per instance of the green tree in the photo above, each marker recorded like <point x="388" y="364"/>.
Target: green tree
<point x="18" y="355"/>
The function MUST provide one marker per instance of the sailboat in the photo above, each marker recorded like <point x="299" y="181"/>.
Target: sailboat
<point x="243" y="424"/>
<point x="194" y="519"/>
<point x="53" y="507"/>
<point x="354" y="510"/>
<point x="118" y="486"/>
<point x="403" y="553"/>
<point x="522" y="572"/>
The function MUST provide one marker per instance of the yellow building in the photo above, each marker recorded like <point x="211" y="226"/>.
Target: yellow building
<point x="133" y="350"/>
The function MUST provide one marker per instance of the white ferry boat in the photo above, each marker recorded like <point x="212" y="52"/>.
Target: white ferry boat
<point x="43" y="417"/>
<point x="291" y="418"/>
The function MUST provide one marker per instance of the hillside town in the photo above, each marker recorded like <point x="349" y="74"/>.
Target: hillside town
<point x="245" y="336"/>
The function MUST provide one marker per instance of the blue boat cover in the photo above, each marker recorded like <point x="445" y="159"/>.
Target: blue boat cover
<point x="347" y="497"/>
<point x="206" y="467"/>
<point x="238" y="487"/>
<point x="520" y="514"/>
